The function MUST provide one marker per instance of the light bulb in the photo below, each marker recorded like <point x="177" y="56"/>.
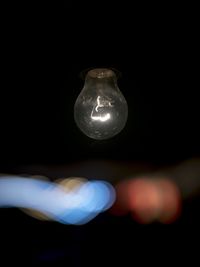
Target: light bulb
<point x="100" y="110"/>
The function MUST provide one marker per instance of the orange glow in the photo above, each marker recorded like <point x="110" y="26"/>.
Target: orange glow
<point x="144" y="200"/>
<point x="171" y="204"/>
<point x="148" y="200"/>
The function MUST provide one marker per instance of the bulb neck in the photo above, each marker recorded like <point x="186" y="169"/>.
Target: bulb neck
<point x="101" y="73"/>
<point x="101" y="76"/>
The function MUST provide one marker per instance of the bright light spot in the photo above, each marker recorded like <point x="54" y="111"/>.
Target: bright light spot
<point x="101" y="118"/>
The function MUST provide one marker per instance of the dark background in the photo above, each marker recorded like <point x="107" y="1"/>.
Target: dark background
<point x="43" y="54"/>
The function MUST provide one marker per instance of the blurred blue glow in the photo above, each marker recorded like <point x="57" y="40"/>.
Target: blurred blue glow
<point x="77" y="206"/>
<point x="94" y="197"/>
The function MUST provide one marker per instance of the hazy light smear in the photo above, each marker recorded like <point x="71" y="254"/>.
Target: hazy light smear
<point x="76" y="206"/>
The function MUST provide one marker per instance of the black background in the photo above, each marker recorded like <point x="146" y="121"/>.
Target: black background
<point x="43" y="54"/>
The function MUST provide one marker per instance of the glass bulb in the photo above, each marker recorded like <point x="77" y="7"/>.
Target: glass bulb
<point x="100" y="110"/>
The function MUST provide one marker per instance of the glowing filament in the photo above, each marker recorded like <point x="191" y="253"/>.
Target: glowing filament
<point x="100" y="105"/>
